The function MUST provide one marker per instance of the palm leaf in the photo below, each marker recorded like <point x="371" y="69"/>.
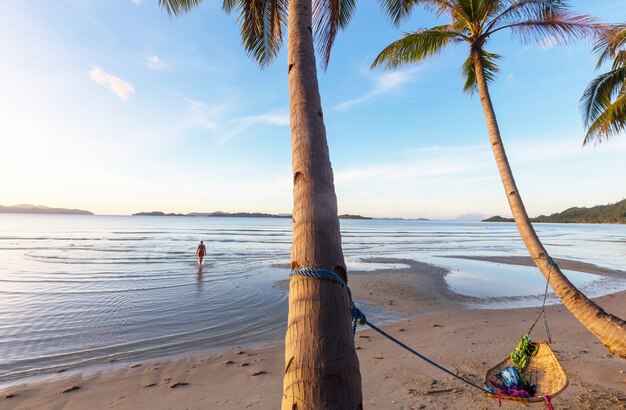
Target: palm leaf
<point x="612" y="121"/>
<point x="490" y="66"/>
<point x="328" y="17"/>
<point x="398" y="10"/>
<point x="524" y="10"/>
<point x="610" y="43"/>
<point x="262" y="23"/>
<point x="561" y="27"/>
<point x="178" y="7"/>
<point x="598" y="95"/>
<point x="417" y="46"/>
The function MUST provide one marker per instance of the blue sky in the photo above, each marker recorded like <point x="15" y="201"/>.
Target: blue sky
<point x="114" y="107"/>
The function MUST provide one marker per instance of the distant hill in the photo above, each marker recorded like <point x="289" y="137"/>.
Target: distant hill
<point x="157" y="213"/>
<point x="237" y="215"/>
<point x="348" y="216"/>
<point x="38" y="209"/>
<point x="601" y="214"/>
<point x="218" y="214"/>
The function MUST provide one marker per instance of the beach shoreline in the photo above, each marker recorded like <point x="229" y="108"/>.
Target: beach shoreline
<point x="436" y="322"/>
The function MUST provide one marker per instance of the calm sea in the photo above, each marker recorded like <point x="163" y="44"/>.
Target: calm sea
<point x="84" y="290"/>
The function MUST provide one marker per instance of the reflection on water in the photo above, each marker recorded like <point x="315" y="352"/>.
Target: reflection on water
<point x="77" y="290"/>
<point x="509" y="283"/>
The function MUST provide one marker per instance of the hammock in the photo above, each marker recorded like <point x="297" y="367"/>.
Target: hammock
<point x="544" y="370"/>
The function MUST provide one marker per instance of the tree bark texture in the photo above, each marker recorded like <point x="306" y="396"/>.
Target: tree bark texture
<point x="609" y="329"/>
<point x="321" y="365"/>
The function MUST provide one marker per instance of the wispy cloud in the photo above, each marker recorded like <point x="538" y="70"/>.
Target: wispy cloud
<point x="136" y="2"/>
<point x="123" y="89"/>
<point x="220" y="123"/>
<point x="383" y="83"/>
<point x="155" y="63"/>
<point x="240" y="125"/>
<point x="510" y="79"/>
<point x="418" y="164"/>
<point x="202" y="116"/>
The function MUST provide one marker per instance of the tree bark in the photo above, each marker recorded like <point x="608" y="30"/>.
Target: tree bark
<point x="610" y="329"/>
<point x="321" y="365"/>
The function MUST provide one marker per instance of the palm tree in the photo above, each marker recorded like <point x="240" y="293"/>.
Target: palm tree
<point x="603" y="116"/>
<point x="474" y="22"/>
<point x="322" y="368"/>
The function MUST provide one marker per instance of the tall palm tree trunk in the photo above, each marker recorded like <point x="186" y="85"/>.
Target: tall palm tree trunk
<point x="321" y="365"/>
<point x="610" y="329"/>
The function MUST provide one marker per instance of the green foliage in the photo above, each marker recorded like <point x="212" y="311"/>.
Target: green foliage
<point x="525" y="349"/>
<point x="474" y="22"/>
<point x="415" y="47"/>
<point x="612" y="213"/>
<point x="469" y="72"/>
<point x="601" y="214"/>
<point x="498" y="218"/>
<point x="603" y="104"/>
<point x="263" y="22"/>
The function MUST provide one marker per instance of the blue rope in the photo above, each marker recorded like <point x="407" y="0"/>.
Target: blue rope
<point x="320" y="274"/>
<point x="358" y="318"/>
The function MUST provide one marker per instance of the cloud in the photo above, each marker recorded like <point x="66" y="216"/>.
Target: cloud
<point x="202" y="116"/>
<point x="155" y="63"/>
<point x="419" y="165"/>
<point x="136" y="2"/>
<point x="510" y="79"/>
<point x="383" y="83"/>
<point x="123" y="89"/>
<point x="214" y="119"/>
<point x="241" y="124"/>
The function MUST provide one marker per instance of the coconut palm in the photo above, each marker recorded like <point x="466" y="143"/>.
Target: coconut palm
<point x="474" y="22"/>
<point x="603" y="103"/>
<point x="322" y="369"/>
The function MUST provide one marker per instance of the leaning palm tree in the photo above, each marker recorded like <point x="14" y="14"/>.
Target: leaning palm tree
<point x="603" y="103"/>
<point x="474" y="22"/>
<point x="322" y="368"/>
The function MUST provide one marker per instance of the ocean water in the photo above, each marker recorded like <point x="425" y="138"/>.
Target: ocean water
<point x="89" y="290"/>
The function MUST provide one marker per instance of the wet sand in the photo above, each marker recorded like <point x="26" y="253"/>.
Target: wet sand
<point x="465" y="340"/>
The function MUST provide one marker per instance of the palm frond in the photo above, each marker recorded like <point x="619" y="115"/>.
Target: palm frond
<point x="417" y="46"/>
<point x="398" y="10"/>
<point x="473" y="9"/>
<point x="261" y="23"/>
<point x="328" y="17"/>
<point x="600" y="92"/>
<point x="518" y="10"/>
<point x="610" y="44"/>
<point x="559" y="27"/>
<point x="178" y="7"/>
<point x="490" y="66"/>
<point x="612" y="121"/>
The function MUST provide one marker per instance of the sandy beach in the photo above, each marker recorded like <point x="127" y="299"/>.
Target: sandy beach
<point x="467" y="341"/>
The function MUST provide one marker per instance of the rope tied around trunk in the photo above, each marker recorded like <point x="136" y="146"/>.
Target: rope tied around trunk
<point x="358" y="318"/>
<point x="542" y="312"/>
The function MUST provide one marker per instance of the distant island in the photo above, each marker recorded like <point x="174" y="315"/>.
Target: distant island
<point x="218" y="213"/>
<point x="348" y="216"/>
<point x="601" y="214"/>
<point x="38" y="209"/>
<point x="237" y="215"/>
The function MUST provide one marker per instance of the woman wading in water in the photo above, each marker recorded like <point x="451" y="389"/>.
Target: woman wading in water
<point x="200" y="252"/>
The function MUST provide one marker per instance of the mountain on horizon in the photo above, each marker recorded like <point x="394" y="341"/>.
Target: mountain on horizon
<point x="40" y="209"/>
<point x="599" y="214"/>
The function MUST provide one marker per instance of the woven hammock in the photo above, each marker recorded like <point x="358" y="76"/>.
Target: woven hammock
<point x="544" y="370"/>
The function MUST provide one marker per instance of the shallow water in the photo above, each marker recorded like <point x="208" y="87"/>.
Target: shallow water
<point x="80" y="290"/>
